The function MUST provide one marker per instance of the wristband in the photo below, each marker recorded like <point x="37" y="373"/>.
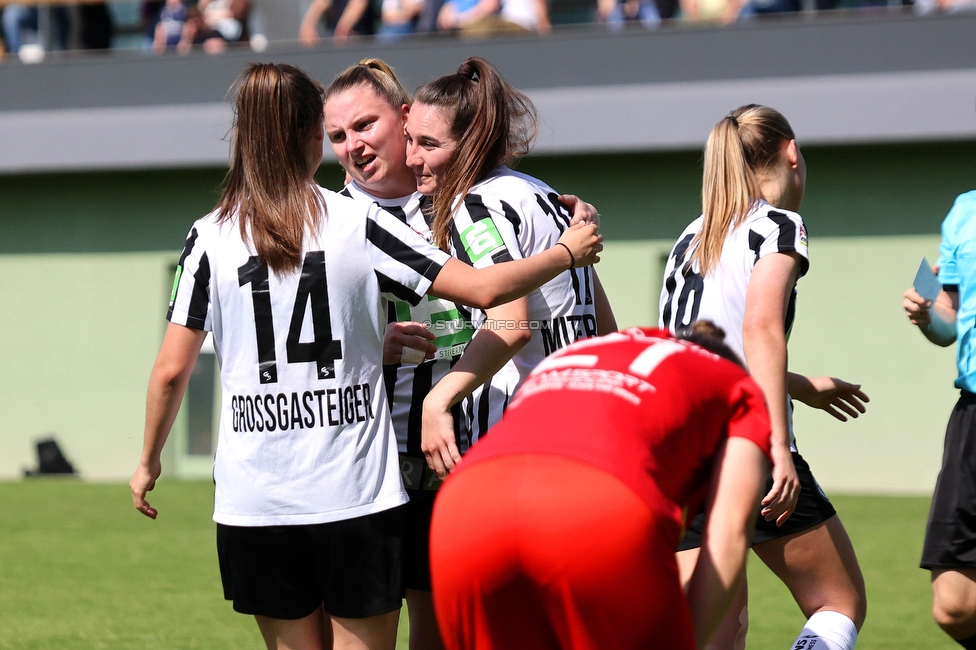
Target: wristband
<point x="572" y="258"/>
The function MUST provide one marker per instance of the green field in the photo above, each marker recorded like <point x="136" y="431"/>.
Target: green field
<point x="80" y="569"/>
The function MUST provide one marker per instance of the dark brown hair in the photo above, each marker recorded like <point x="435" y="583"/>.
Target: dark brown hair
<point x="271" y="186"/>
<point x="708" y="335"/>
<point x="738" y="151"/>
<point x="492" y="123"/>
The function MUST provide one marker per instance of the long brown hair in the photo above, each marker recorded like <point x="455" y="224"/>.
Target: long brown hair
<point x="492" y="123"/>
<point x="738" y="151"/>
<point x="372" y="73"/>
<point x="271" y="187"/>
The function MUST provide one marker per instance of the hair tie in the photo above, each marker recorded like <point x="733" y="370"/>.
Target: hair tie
<point x="468" y="71"/>
<point x="732" y="118"/>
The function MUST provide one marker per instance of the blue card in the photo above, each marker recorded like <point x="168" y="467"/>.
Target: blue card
<point x="927" y="282"/>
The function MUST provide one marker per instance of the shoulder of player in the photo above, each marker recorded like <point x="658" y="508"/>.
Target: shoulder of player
<point x="508" y="185"/>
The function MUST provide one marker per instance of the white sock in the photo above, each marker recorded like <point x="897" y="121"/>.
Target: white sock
<point x="827" y="631"/>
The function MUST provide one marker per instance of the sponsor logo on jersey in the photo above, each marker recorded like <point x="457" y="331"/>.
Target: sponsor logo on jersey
<point x="481" y="239"/>
<point x="176" y="284"/>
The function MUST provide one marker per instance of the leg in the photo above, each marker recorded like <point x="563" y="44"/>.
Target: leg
<point x="424" y="634"/>
<point x="954" y="601"/>
<point x="370" y="633"/>
<point x="819" y="567"/>
<point x="309" y="633"/>
<point x="731" y="633"/>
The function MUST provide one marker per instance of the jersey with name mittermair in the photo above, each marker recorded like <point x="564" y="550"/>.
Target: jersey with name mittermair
<point x="510" y="216"/>
<point x="720" y="296"/>
<point x="409" y="383"/>
<point x="305" y="434"/>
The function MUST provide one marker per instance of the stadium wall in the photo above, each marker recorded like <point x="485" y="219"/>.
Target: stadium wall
<point x="98" y="188"/>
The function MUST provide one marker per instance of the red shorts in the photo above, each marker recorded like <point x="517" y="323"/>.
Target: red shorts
<point x="542" y="551"/>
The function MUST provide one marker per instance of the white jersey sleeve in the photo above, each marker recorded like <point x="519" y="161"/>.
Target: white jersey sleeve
<point x="189" y="303"/>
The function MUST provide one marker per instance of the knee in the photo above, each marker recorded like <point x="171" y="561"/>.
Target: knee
<point x="956" y="616"/>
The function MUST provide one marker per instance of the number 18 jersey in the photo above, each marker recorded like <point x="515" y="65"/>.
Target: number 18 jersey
<point x="305" y="434"/>
<point x="720" y="296"/>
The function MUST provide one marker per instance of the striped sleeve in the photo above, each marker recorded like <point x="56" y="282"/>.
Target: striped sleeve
<point x="483" y="233"/>
<point x="189" y="302"/>
<point x="780" y="231"/>
<point x="404" y="263"/>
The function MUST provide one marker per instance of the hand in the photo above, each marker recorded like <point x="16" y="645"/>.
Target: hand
<point x="437" y="439"/>
<point x="584" y="243"/>
<point x="143" y="481"/>
<point x="406" y="335"/>
<point x="917" y="308"/>
<point x="579" y="210"/>
<point x="781" y="500"/>
<point x="835" y="396"/>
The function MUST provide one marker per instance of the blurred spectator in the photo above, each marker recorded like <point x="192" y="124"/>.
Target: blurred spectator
<point x="459" y="14"/>
<point x="149" y="11"/>
<point x="20" y="26"/>
<point x="215" y="23"/>
<point x="617" y="13"/>
<point x="721" y="11"/>
<point x="97" y="28"/>
<point x="490" y="17"/>
<point x="399" y="18"/>
<point x="170" y="25"/>
<point x="923" y="7"/>
<point x="341" y="18"/>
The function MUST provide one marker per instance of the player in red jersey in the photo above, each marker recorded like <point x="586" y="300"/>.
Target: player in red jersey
<point x="558" y="530"/>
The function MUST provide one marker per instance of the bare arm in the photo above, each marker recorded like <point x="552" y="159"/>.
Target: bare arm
<point x="605" y="321"/>
<point x="501" y="283"/>
<point x="764" y="344"/>
<point x="504" y="333"/>
<point x="736" y="485"/>
<point x="837" y="397"/>
<point x="350" y="16"/>
<point x="937" y="321"/>
<point x="308" y="31"/>
<point x="167" y="383"/>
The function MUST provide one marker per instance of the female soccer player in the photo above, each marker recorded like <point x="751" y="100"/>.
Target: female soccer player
<point x="292" y="281"/>
<point x="365" y="108"/>
<point x="737" y="265"/>
<point x="559" y="529"/>
<point x="462" y="131"/>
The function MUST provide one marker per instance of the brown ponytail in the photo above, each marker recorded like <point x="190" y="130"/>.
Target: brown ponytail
<point x="492" y="123"/>
<point x="271" y="186"/>
<point x="738" y="151"/>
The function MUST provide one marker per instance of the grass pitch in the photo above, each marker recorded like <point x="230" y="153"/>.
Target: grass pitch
<point x="81" y="569"/>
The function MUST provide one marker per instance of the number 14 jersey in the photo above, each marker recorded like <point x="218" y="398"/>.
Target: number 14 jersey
<point x="305" y="434"/>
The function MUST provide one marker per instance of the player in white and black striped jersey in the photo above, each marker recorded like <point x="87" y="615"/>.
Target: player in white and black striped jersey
<point x="462" y="131"/>
<point x="507" y="216"/>
<point x="737" y="265"/>
<point x="364" y="112"/>
<point x="293" y="281"/>
<point x="685" y="299"/>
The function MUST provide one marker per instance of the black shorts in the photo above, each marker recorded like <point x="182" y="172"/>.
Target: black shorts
<point x="950" y="536"/>
<point x="421" y="483"/>
<point x="350" y="566"/>
<point x="812" y="508"/>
